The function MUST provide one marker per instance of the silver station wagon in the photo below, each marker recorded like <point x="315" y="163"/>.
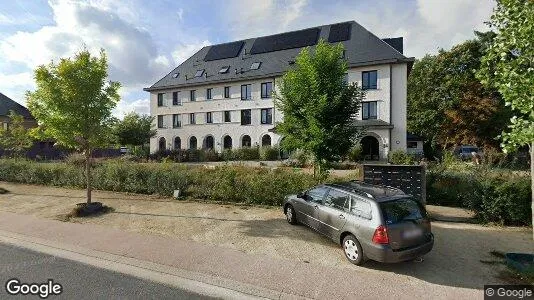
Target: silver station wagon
<point x="369" y="221"/>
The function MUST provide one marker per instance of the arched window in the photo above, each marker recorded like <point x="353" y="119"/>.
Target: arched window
<point x="266" y="140"/>
<point x="162" y="144"/>
<point x="177" y="143"/>
<point x="208" y="143"/>
<point x="227" y="142"/>
<point x="246" y="141"/>
<point x="193" y="143"/>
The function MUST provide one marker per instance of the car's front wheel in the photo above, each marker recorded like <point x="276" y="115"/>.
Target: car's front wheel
<point x="353" y="250"/>
<point x="290" y="215"/>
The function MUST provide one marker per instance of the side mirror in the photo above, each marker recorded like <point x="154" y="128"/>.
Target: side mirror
<point x="301" y="195"/>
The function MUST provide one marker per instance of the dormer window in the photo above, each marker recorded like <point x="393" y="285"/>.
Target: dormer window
<point x="255" y="65"/>
<point x="175" y="75"/>
<point x="199" y="73"/>
<point x="224" y="70"/>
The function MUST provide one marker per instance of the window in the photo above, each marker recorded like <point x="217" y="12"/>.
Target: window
<point x="160" y="121"/>
<point x="369" y="110"/>
<point x="227" y="116"/>
<point x="266" y="89"/>
<point x="199" y="73"/>
<point x="266" y="140"/>
<point x="267" y="116"/>
<point x="337" y="199"/>
<point x="177" y="143"/>
<point x="246" y="141"/>
<point x="369" y="80"/>
<point x="209" y="143"/>
<point x="209" y="118"/>
<point x="176" y="121"/>
<point x="176" y="98"/>
<point x="193" y="95"/>
<point x="412" y="145"/>
<point x="226" y="92"/>
<point x="255" y="65"/>
<point x="246" y="92"/>
<point x="360" y="208"/>
<point x="208" y="94"/>
<point x="192" y="118"/>
<point x="193" y="142"/>
<point x="224" y="69"/>
<point x="402" y="210"/>
<point x="162" y="144"/>
<point x="227" y="142"/>
<point x="160" y="99"/>
<point x="316" y="195"/>
<point x="245" y="117"/>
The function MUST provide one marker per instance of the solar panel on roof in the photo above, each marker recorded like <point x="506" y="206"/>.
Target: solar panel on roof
<point x="283" y="41"/>
<point x="223" y="51"/>
<point x="339" y="32"/>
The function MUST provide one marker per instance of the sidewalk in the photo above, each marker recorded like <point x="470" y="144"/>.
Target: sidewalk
<point x="256" y="275"/>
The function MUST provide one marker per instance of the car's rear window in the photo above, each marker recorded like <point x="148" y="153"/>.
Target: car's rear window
<point x="401" y="210"/>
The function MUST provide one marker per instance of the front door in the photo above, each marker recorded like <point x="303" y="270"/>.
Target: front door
<point x="333" y="214"/>
<point x="370" y="148"/>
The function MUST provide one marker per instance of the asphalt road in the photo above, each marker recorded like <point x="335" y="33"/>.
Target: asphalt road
<point x="79" y="281"/>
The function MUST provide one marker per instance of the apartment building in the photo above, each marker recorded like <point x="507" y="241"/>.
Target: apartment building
<point x="221" y="97"/>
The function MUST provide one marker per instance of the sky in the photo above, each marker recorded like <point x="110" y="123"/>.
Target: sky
<point x="145" y="40"/>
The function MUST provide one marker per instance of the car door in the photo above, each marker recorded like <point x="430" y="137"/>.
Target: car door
<point x="333" y="214"/>
<point x="307" y="207"/>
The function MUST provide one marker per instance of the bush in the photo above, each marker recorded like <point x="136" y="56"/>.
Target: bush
<point x="298" y="159"/>
<point x="399" y="157"/>
<point x="500" y="197"/>
<point x="226" y="183"/>
<point x="270" y="153"/>
<point x="355" y="154"/>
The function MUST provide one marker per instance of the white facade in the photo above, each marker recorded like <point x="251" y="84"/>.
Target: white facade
<point x="390" y="97"/>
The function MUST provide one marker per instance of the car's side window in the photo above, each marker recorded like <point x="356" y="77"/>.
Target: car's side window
<point x="337" y="199"/>
<point x="360" y="208"/>
<point x="316" y="195"/>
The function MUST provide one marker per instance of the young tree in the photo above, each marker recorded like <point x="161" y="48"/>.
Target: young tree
<point x="73" y="104"/>
<point x="508" y="66"/>
<point x="318" y="106"/>
<point x="16" y="137"/>
<point x="134" y="129"/>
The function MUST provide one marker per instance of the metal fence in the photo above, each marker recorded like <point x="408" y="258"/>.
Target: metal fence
<point x="410" y="179"/>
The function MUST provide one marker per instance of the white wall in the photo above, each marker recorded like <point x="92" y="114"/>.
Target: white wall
<point x="398" y="106"/>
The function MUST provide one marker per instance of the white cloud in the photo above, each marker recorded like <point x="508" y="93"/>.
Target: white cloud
<point x="133" y="55"/>
<point x="140" y="106"/>
<point x="15" y="85"/>
<point x="184" y="51"/>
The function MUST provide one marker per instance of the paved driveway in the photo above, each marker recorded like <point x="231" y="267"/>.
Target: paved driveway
<point x="461" y="256"/>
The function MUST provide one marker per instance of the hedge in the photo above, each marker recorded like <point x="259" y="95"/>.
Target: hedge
<point x="225" y="183"/>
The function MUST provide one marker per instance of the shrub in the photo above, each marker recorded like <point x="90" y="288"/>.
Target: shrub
<point x="269" y="153"/>
<point x="355" y="154"/>
<point x="399" y="157"/>
<point x="226" y="183"/>
<point x="76" y="159"/>
<point x="298" y="159"/>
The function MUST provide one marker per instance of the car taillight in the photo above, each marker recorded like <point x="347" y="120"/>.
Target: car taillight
<point x="381" y="235"/>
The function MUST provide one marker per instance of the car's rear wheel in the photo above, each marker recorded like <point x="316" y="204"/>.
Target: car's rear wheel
<point x="291" y="217"/>
<point x="353" y="250"/>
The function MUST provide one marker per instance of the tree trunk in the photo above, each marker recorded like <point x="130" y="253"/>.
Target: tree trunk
<point x="532" y="184"/>
<point x="88" y="174"/>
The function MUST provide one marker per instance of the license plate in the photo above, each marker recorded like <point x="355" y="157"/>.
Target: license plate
<point x="412" y="233"/>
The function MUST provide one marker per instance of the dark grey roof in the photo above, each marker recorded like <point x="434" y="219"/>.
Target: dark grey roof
<point x="373" y="123"/>
<point x="413" y="137"/>
<point x="363" y="48"/>
<point x="396" y="43"/>
<point x="6" y="105"/>
<point x="377" y="192"/>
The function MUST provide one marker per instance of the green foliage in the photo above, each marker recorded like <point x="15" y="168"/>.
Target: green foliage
<point x="318" y="105"/>
<point x="227" y="183"/>
<point x="16" y="138"/>
<point x="134" y="129"/>
<point x="508" y="66"/>
<point x="270" y="153"/>
<point x="356" y="154"/>
<point x="500" y="197"/>
<point x="448" y="105"/>
<point x="399" y="157"/>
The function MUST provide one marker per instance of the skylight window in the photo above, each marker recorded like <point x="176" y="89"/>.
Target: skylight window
<point x="175" y="75"/>
<point x="224" y="69"/>
<point x="199" y="73"/>
<point x="255" y="66"/>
